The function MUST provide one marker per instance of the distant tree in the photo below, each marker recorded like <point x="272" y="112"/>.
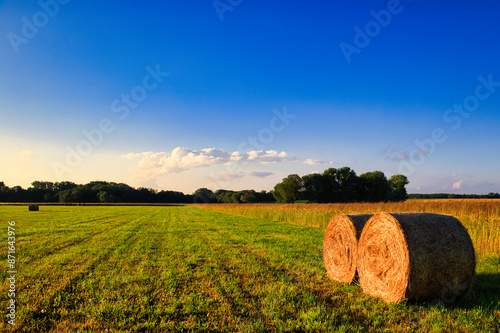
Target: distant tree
<point x="332" y="185"/>
<point x="247" y="196"/>
<point x="317" y="188"/>
<point x="41" y="191"/>
<point x="46" y="186"/>
<point x="49" y="197"/>
<point x="397" y="184"/>
<point x="172" y="197"/>
<point x="105" y="197"/>
<point x="18" y="194"/>
<point x="288" y="190"/>
<point x="373" y="186"/>
<point x="348" y="183"/>
<point x="230" y="197"/>
<point x="78" y="194"/>
<point x="202" y="195"/>
<point x="62" y="186"/>
<point x="146" y="194"/>
<point x="277" y="193"/>
<point x="218" y="196"/>
<point x="4" y="192"/>
<point x="264" y="196"/>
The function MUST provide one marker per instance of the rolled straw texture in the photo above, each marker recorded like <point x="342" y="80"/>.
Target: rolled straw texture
<point x="415" y="256"/>
<point x="340" y="246"/>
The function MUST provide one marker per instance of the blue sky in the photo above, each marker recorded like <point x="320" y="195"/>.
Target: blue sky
<point x="239" y="94"/>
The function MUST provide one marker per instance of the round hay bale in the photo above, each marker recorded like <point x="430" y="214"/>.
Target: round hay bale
<point x="415" y="256"/>
<point x="340" y="246"/>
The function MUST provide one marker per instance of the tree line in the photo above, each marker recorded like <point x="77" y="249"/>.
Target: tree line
<point x="109" y="192"/>
<point x="341" y="185"/>
<point x="93" y="192"/>
<point x="333" y="185"/>
<point x="204" y="195"/>
<point x="490" y="195"/>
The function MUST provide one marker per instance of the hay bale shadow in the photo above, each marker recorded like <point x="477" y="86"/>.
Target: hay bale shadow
<point x="485" y="292"/>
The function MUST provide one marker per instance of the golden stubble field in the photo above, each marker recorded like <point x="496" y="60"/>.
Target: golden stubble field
<point x="481" y="217"/>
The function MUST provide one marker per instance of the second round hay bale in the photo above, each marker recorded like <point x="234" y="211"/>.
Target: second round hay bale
<point x="340" y="246"/>
<point x="415" y="256"/>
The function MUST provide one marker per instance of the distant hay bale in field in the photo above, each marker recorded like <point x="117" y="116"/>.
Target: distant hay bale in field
<point x="340" y="246"/>
<point x="415" y="256"/>
<point x="33" y="208"/>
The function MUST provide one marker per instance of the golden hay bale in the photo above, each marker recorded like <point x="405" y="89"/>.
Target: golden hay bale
<point x="415" y="256"/>
<point x="340" y="246"/>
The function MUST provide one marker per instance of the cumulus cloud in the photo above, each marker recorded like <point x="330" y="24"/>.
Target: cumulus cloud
<point x="310" y="161"/>
<point x="24" y="155"/>
<point x="261" y="174"/>
<point x="228" y="176"/>
<point x="391" y="149"/>
<point x="457" y="185"/>
<point x="422" y="151"/>
<point x="405" y="156"/>
<point x="153" y="164"/>
<point x="265" y="156"/>
<point x="401" y="157"/>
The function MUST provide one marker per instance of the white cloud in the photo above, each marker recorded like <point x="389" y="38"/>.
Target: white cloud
<point x="401" y="157"/>
<point x="131" y="156"/>
<point x="154" y="164"/>
<point x="422" y="151"/>
<point x="261" y="174"/>
<point x="310" y="161"/>
<point x="24" y="155"/>
<point x="391" y="149"/>
<point x="266" y="156"/>
<point x="228" y="176"/>
<point x="457" y="185"/>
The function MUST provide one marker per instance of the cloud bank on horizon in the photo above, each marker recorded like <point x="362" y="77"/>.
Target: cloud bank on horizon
<point x="154" y="164"/>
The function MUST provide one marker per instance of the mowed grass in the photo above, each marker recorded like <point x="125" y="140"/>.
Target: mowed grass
<point x="157" y="269"/>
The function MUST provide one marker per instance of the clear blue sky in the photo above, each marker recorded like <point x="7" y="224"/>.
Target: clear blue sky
<point x="239" y="94"/>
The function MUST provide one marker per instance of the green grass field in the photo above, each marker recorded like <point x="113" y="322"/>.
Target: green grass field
<point x="156" y="269"/>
